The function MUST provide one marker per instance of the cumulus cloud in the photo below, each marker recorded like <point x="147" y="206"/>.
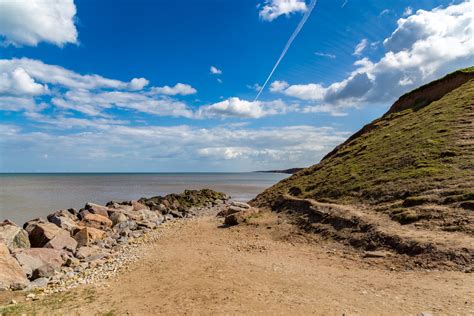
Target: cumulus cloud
<point x="235" y="107"/>
<point x="360" y="47"/>
<point x="33" y="21"/>
<point x="275" y="8"/>
<point x="423" y="47"/>
<point x="179" y="88"/>
<point x="138" y="83"/>
<point x="215" y="71"/>
<point x="408" y="11"/>
<point x="19" y="82"/>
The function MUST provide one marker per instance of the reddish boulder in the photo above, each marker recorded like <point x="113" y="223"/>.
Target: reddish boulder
<point x="96" y="221"/>
<point x="62" y="240"/>
<point x="34" y="258"/>
<point x="87" y="235"/>
<point x="11" y="273"/>
<point x="41" y="233"/>
<point x="97" y="209"/>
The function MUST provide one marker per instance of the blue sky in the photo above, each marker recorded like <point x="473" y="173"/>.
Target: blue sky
<point x="149" y="86"/>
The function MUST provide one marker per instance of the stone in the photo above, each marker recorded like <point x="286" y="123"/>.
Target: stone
<point x="240" y="204"/>
<point x="230" y="210"/>
<point x="97" y="209"/>
<point x="72" y="262"/>
<point x="240" y="217"/>
<point x="137" y="206"/>
<point x="13" y="236"/>
<point x="90" y="253"/>
<point x="30" y="225"/>
<point x="87" y="235"/>
<point x="42" y="233"/>
<point x="63" y="222"/>
<point x="44" y="271"/>
<point x="62" y="240"/>
<point x="96" y="221"/>
<point x="118" y="217"/>
<point x="377" y="254"/>
<point x="12" y="275"/>
<point x="39" y="283"/>
<point x="33" y="258"/>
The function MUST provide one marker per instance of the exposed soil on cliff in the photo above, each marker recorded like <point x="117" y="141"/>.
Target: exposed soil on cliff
<point x="267" y="266"/>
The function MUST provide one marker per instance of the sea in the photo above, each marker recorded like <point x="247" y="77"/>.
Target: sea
<point x="27" y="196"/>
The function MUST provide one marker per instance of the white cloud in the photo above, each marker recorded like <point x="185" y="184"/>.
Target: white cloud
<point x="110" y="147"/>
<point x="408" y="11"/>
<point x="424" y="46"/>
<point x="138" y="83"/>
<point x="179" y="88"/>
<point x="278" y="86"/>
<point x="19" y="82"/>
<point x="235" y="107"/>
<point x="94" y="103"/>
<point x="275" y="8"/>
<point x="385" y="11"/>
<point x="28" y="22"/>
<point x="254" y="86"/>
<point x="332" y="56"/>
<point x="360" y="47"/>
<point x="215" y="71"/>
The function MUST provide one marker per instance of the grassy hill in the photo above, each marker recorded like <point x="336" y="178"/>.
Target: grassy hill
<point x="414" y="164"/>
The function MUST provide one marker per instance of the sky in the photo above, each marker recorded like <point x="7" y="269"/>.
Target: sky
<point x="170" y="86"/>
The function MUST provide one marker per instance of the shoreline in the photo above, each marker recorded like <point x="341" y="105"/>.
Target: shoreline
<point x="76" y="247"/>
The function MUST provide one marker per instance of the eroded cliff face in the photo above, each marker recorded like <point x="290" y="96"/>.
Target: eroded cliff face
<point x="414" y="164"/>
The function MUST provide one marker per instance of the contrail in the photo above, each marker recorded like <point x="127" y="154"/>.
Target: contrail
<point x="288" y="44"/>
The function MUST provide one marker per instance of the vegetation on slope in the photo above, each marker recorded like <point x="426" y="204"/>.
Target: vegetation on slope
<point x="414" y="163"/>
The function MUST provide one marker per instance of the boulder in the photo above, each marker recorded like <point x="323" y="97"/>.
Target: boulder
<point x="97" y="209"/>
<point x="44" y="271"/>
<point x="96" y="221"/>
<point x="240" y="217"/>
<point x="118" y="217"/>
<point x="90" y="253"/>
<point x="62" y="240"/>
<point x="42" y="233"/>
<point x="230" y="210"/>
<point x="13" y="236"/>
<point x="137" y="206"/>
<point x="30" y="225"/>
<point x="240" y="204"/>
<point x="63" y="222"/>
<point x="12" y="275"/>
<point x="34" y="258"/>
<point x="87" y="235"/>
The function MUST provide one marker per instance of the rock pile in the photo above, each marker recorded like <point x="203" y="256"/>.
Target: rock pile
<point x="73" y="247"/>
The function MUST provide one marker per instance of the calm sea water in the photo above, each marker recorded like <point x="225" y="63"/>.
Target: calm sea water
<point x="27" y="196"/>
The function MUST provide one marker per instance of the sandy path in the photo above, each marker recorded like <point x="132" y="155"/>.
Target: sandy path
<point x="199" y="268"/>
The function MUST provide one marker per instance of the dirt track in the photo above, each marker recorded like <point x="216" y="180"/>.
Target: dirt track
<point x="266" y="267"/>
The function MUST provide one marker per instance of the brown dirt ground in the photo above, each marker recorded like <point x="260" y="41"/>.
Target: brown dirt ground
<point x="265" y="267"/>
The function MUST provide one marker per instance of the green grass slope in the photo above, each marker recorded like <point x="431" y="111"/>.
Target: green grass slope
<point x="414" y="163"/>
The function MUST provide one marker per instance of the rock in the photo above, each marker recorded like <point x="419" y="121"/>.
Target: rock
<point x="13" y="236"/>
<point x="63" y="222"/>
<point x="39" y="283"/>
<point x="377" y="254"/>
<point x="44" y="271"/>
<point x="240" y="204"/>
<point x="97" y="209"/>
<point x="118" y="217"/>
<point x="230" y="210"/>
<point x="137" y="206"/>
<point x="62" y="240"/>
<point x="33" y="258"/>
<point x="30" y="225"/>
<point x="131" y="225"/>
<point x="72" y="262"/>
<point x="12" y="275"/>
<point x="240" y="217"/>
<point x="96" y="221"/>
<point x="90" y="253"/>
<point x="87" y="235"/>
<point x="42" y="233"/>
